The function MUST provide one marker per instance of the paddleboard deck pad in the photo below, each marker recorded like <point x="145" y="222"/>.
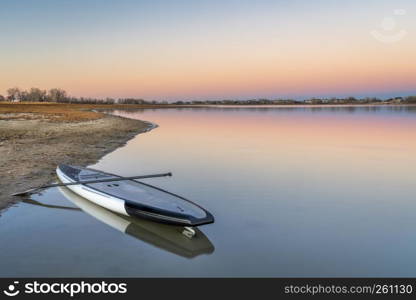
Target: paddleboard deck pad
<point x="134" y="198"/>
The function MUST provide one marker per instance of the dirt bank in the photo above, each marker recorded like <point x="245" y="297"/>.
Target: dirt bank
<point x="31" y="147"/>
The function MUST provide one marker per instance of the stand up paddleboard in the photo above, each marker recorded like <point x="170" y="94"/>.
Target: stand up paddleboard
<point x="135" y="198"/>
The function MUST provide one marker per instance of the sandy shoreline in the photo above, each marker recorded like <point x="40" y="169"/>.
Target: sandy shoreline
<point x="30" y="149"/>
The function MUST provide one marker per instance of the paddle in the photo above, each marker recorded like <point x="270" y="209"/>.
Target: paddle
<point x="29" y="191"/>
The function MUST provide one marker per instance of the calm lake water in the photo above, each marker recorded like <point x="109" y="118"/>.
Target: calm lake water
<point x="295" y="192"/>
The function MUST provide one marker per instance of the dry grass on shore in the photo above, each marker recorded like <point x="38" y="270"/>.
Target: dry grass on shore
<point x="61" y="112"/>
<point x="48" y="111"/>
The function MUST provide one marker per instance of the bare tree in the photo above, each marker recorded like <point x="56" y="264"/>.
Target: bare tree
<point x="14" y="94"/>
<point x="2" y="98"/>
<point x="36" y="95"/>
<point x="57" y="95"/>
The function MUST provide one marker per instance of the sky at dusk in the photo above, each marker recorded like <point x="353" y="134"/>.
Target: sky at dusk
<point x="184" y="50"/>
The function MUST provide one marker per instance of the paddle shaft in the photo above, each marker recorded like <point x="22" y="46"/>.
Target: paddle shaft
<point x="93" y="181"/>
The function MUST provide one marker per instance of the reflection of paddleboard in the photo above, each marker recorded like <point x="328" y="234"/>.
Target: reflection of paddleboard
<point x="134" y="198"/>
<point x="166" y="237"/>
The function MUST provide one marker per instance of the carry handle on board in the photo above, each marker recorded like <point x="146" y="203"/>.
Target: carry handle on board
<point x="32" y="190"/>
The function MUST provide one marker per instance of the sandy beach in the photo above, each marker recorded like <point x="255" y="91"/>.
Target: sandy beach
<point x="32" y="144"/>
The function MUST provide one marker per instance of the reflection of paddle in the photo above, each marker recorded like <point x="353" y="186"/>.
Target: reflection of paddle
<point x="34" y="202"/>
<point x="32" y="190"/>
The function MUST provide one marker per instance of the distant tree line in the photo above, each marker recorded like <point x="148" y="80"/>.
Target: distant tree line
<point x="34" y="95"/>
<point x="60" y="96"/>
<point x="348" y="100"/>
